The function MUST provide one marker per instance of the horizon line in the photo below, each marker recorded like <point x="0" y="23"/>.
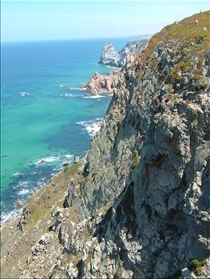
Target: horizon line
<point x="79" y="38"/>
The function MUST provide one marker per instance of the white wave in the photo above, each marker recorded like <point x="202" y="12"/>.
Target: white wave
<point x="24" y="192"/>
<point x="51" y="158"/>
<point x="81" y="122"/>
<point x="45" y="160"/>
<point x="17" y="174"/>
<point x="66" y="86"/>
<point x="68" y="156"/>
<point x="66" y="95"/>
<point x="12" y="214"/>
<point x="91" y="126"/>
<point x="99" y="118"/>
<point x="78" y="89"/>
<point x="22" y="183"/>
<point x="93" y="129"/>
<point x="40" y="184"/>
<point x="112" y="67"/>
<point x="23" y="94"/>
<point x="94" y="97"/>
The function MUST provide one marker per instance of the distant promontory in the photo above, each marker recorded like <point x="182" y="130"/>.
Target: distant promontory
<point x="113" y="58"/>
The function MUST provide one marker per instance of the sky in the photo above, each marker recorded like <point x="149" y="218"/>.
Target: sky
<point x="55" y="20"/>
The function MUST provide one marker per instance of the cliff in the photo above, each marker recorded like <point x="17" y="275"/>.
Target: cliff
<point x="139" y="205"/>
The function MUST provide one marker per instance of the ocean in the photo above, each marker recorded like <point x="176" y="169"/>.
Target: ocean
<point x="43" y="123"/>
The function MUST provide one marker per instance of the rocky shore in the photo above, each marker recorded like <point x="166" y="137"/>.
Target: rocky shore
<point x="138" y="205"/>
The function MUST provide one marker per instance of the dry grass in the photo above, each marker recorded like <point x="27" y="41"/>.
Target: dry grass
<point x="186" y="31"/>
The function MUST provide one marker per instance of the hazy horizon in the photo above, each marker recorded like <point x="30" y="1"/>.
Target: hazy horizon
<point x="63" y="20"/>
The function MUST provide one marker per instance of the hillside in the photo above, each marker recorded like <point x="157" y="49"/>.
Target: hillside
<point x="138" y="206"/>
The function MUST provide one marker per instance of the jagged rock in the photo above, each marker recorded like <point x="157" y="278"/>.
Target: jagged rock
<point x="102" y="83"/>
<point x="109" y="56"/>
<point x="118" y="58"/>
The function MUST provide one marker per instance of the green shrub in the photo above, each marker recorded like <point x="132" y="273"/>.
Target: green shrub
<point x="135" y="159"/>
<point x="202" y="86"/>
<point x="197" y="265"/>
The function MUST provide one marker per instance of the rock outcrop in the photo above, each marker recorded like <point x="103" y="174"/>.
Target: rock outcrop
<point x="109" y="56"/>
<point x="139" y="208"/>
<point x="113" y="58"/>
<point x="102" y="83"/>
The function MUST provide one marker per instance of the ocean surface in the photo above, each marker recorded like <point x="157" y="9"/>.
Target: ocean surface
<point x="43" y="123"/>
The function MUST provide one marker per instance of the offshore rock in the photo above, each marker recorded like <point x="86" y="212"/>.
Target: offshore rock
<point x="19" y="203"/>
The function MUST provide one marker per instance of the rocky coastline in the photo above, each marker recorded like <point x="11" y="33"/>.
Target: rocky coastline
<point x="138" y="205"/>
<point x="103" y="84"/>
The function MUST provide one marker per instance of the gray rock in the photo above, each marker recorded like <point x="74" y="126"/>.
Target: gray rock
<point x="19" y="203"/>
<point x="111" y="57"/>
<point x="76" y="159"/>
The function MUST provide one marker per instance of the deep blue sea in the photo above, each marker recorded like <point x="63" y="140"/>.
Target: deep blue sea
<point x="42" y="123"/>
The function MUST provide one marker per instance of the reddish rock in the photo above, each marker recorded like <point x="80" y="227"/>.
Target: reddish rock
<point x="102" y="83"/>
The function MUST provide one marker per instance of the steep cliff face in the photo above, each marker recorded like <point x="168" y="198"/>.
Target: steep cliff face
<point x="140" y="207"/>
<point x="152" y="160"/>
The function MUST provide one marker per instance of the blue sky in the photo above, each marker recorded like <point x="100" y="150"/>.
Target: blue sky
<point x="49" y="20"/>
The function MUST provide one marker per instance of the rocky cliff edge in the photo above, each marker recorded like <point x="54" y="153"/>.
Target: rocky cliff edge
<point x="140" y="205"/>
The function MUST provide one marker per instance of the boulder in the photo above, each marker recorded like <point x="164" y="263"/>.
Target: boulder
<point x="66" y="164"/>
<point x="19" y="203"/>
<point x="76" y="159"/>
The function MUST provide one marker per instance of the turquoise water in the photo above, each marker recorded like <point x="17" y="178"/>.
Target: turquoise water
<point x="47" y="121"/>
